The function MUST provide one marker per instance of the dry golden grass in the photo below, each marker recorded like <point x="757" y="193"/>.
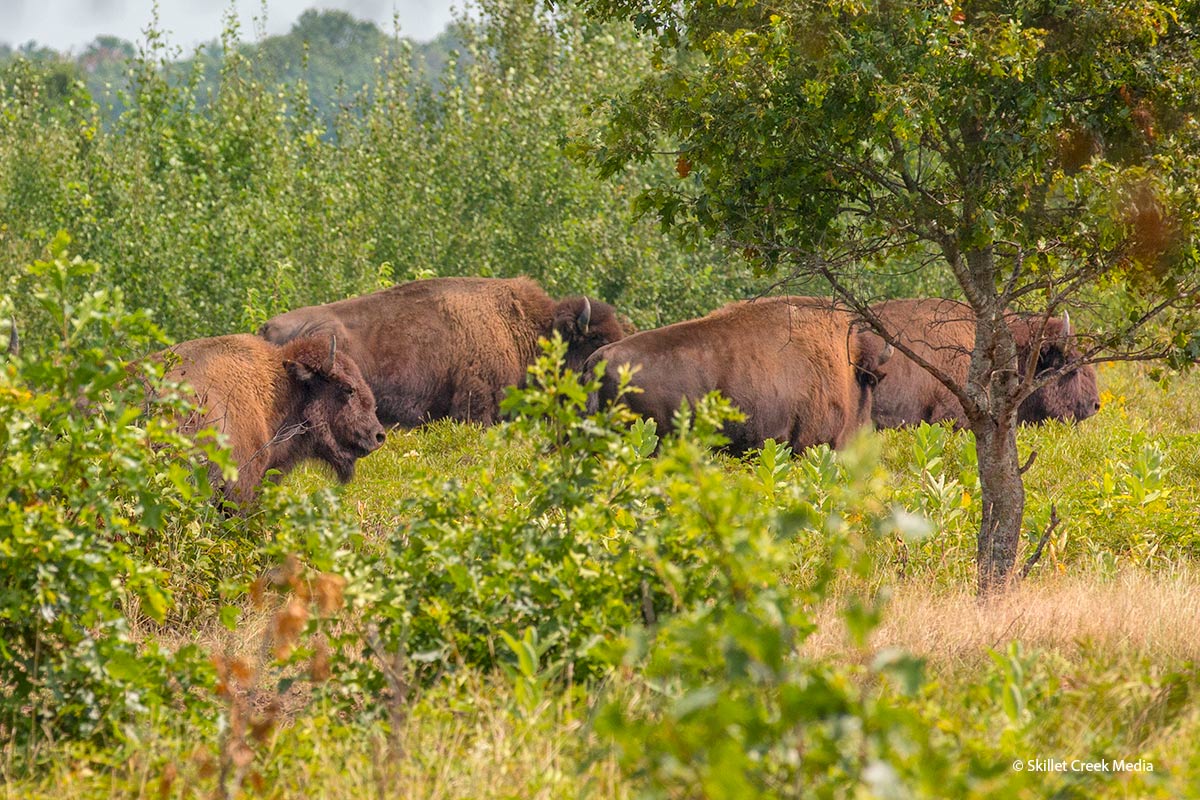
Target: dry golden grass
<point x="1154" y="613"/>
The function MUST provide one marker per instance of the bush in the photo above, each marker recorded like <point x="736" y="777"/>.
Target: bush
<point x="715" y="700"/>
<point x="596" y="537"/>
<point x="83" y="489"/>
<point x="109" y="526"/>
<point x="472" y="567"/>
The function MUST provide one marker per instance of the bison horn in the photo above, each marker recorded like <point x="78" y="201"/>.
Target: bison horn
<point x="1066" y="325"/>
<point x="888" y="352"/>
<point x="585" y="317"/>
<point x="332" y="353"/>
<point x="14" y="343"/>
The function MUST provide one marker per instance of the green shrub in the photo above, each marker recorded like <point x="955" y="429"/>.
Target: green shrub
<point x="83" y="489"/>
<point x="109" y="528"/>
<point x="684" y="552"/>
<point x="716" y="702"/>
<point x="550" y="553"/>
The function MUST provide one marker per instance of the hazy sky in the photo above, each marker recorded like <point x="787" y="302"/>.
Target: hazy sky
<point x="64" y="24"/>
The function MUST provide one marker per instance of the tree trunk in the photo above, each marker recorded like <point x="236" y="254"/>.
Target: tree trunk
<point x="993" y="381"/>
<point x="1003" y="495"/>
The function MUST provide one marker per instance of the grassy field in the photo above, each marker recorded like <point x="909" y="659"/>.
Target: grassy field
<point x="1092" y="657"/>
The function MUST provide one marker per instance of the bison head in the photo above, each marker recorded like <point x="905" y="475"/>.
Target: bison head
<point x="868" y="354"/>
<point x="1072" y="395"/>
<point x="586" y="325"/>
<point x="337" y="405"/>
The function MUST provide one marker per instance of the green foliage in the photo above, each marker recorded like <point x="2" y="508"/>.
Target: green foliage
<point x="334" y="54"/>
<point x="924" y="131"/>
<point x="109" y="527"/>
<point x="680" y="551"/>
<point x="548" y="557"/>
<point x="83" y="490"/>
<point x="563" y="566"/>
<point x="753" y="548"/>
<point x="1035" y="157"/>
<point x="1114" y="482"/>
<point x="720" y="705"/>
<point x="214" y="195"/>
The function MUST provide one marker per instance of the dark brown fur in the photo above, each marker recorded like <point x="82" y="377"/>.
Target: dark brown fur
<point x="793" y="365"/>
<point x="278" y="405"/>
<point x="943" y="332"/>
<point x="449" y="347"/>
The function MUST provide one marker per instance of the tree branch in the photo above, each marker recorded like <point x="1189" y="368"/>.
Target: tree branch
<point x="1037" y="554"/>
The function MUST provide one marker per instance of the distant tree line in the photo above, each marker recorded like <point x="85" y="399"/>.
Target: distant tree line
<point x="334" y="54"/>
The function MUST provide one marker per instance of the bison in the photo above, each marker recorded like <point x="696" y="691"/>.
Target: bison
<point x="796" y="366"/>
<point x="277" y="405"/>
<point x="943" y="333"/>
<point x="448" y="347"/>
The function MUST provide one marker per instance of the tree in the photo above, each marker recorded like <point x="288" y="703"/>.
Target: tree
<point x="333" y="52"/>
<point x="1042" y="154"/>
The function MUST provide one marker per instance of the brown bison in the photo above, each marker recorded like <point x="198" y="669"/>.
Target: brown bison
<point x="796" y="366"/>
<point x="448" y="347"/>
<point x="278" y="405"/>
<point x="943" y="333"/>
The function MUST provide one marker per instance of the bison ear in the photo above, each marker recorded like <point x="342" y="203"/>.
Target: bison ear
<point x="583" y="320"/>
<point x="870" y="351"/>
<point x="308" y="373"/>
<point x="310" y="363"/>
<point x="299" y="371"/>
<point x="570" y="323"/>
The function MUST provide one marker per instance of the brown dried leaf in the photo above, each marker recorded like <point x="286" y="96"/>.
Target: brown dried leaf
<point x="256" y="781"/>
<point x="242" y="672"/>
<point x="257" y="591"/>
<point x="240" y="754"/>
<point x="1152" y="230"/>
<point x="329" y="589"/>
<point x="289" y="623"/>
<point x="1076" y="147"/>
<point x="286" y="572"/>
<point x="206" y="765"/>
<point x="318" y="666"/>
<point x="167" y="779"/>
<point x="262" y="728"/>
